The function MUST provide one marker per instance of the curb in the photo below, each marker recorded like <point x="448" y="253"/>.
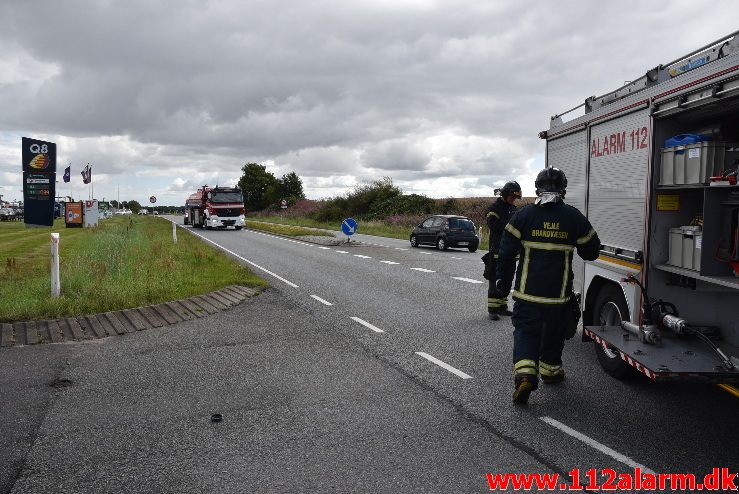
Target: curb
<point x="124" y="321"/>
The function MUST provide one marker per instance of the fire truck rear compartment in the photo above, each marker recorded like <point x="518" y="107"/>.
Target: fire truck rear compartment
<point x="675" y="359"/>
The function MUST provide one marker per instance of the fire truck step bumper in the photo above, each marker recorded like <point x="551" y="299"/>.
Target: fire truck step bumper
<point x="674" y="360"/>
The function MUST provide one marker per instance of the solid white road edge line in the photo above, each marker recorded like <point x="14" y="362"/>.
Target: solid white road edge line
<point x="595" y="444"/>
<point x="468" y="280"/>
<point x="444" y="365"/>
<point x="321" y="300"/>
<point x="368" y="325"/>
<point x="244" y="259"/>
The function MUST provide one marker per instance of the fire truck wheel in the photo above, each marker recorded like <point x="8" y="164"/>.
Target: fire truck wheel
<point x="610" y="309"/>
<point x="238" y="227"/>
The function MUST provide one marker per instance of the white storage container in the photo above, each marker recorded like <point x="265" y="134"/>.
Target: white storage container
<point x="685" y="248"/>
<point x="697" y="249"/>
<point x="688" y="249"/>
<point x="676" y="248"/>
<point x="695" y="163"/>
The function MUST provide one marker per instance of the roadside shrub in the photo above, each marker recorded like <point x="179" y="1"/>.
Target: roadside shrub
<point x="359" y="202"/>
<point x="413" y="204"/>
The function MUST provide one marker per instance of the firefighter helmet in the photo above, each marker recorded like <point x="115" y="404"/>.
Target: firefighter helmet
<point x="511" y="189"/>
<point x="551" y="180"/>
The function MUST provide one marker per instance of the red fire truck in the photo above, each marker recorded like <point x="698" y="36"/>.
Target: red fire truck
<point x="215" y="207"/>
<point x="653" y="165"/>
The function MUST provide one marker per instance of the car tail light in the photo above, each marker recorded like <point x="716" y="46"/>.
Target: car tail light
<point x="243" y="210"/>
<point x="212" y="211"/>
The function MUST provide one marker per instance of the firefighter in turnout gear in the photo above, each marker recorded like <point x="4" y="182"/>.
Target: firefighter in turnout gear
<point x="546" y="234"/>
<point x="499" y="214"/>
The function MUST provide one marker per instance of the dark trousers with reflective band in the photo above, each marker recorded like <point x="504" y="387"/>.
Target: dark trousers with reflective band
<point x="494" y="304"/>
<point x="538" y="338"/>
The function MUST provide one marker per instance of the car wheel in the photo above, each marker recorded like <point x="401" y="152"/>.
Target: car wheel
<point x="610" y="309"/>
<point x="414" y="241"/>
<point x="472" y="248"/>
<point x="441" y="244"/>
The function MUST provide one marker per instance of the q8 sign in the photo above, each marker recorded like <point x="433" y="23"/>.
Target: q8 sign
<point x="39" y="181"/>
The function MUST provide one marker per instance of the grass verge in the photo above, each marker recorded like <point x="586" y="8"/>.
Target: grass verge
<point x="367" y="227"/>
<point x="288" y="230"/>
<point x="124" y="262"/>
<point x="377" y="228"/>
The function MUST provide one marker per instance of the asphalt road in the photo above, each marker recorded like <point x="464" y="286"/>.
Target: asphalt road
<point x="434" y="302"/>
<point x="401" y="384"/>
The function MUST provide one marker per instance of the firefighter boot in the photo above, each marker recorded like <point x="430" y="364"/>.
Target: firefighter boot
<point x="551" y="374"/>
<point x="492" y="315"/>
<point x="525" y="384"/>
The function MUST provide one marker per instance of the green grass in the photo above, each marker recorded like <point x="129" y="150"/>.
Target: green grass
<point x="377" y="228"/>
<point x="290" y="231"/>
<point x="124" y="262"/>
<point x="367" y="227"/>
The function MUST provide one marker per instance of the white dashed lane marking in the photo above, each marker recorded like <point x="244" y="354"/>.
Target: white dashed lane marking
<point x="367" y="325"/>
<point x="595" y="444"/>
<point x="321" y="300"/>
<point x="444" y="365"/>
<point x="423" y="270"/>
<point x="468" y="280"/>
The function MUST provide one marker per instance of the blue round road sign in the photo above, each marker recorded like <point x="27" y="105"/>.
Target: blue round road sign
<point x="349" y="226"/>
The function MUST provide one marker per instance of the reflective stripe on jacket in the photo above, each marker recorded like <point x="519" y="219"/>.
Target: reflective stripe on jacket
<point x="499" y="213"/>
<point x="546" y="236"/>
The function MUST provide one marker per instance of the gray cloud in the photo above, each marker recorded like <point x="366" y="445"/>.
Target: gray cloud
<point x="396" y="154"/>
<point x="417" y="90"/>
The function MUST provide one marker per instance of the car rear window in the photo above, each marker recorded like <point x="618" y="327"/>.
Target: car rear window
<point x="462" y="223"/>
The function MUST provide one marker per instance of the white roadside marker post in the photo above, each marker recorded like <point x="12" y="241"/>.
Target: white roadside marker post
<point x="55" y="284"/>
<point x="174" y="232"/>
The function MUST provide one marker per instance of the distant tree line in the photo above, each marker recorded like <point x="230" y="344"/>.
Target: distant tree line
<point x="262" y="190"/>
<point x="375" y="200"/>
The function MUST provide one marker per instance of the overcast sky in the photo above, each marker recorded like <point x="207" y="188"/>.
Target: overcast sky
<point x="445" y="97"/>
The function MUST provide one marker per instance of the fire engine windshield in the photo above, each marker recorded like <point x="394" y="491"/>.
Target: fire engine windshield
<point x="231" y="196"/>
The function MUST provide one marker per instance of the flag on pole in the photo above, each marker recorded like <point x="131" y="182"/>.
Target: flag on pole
<point x="87" y="174"/>
<point x="67" y="173"/>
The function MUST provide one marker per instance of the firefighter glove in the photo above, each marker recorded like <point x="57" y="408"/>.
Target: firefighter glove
<point x="502" y="287"/>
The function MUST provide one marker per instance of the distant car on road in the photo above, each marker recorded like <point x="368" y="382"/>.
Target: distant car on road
<point x="7" y="214"/>
<point x="444" y="231"/>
